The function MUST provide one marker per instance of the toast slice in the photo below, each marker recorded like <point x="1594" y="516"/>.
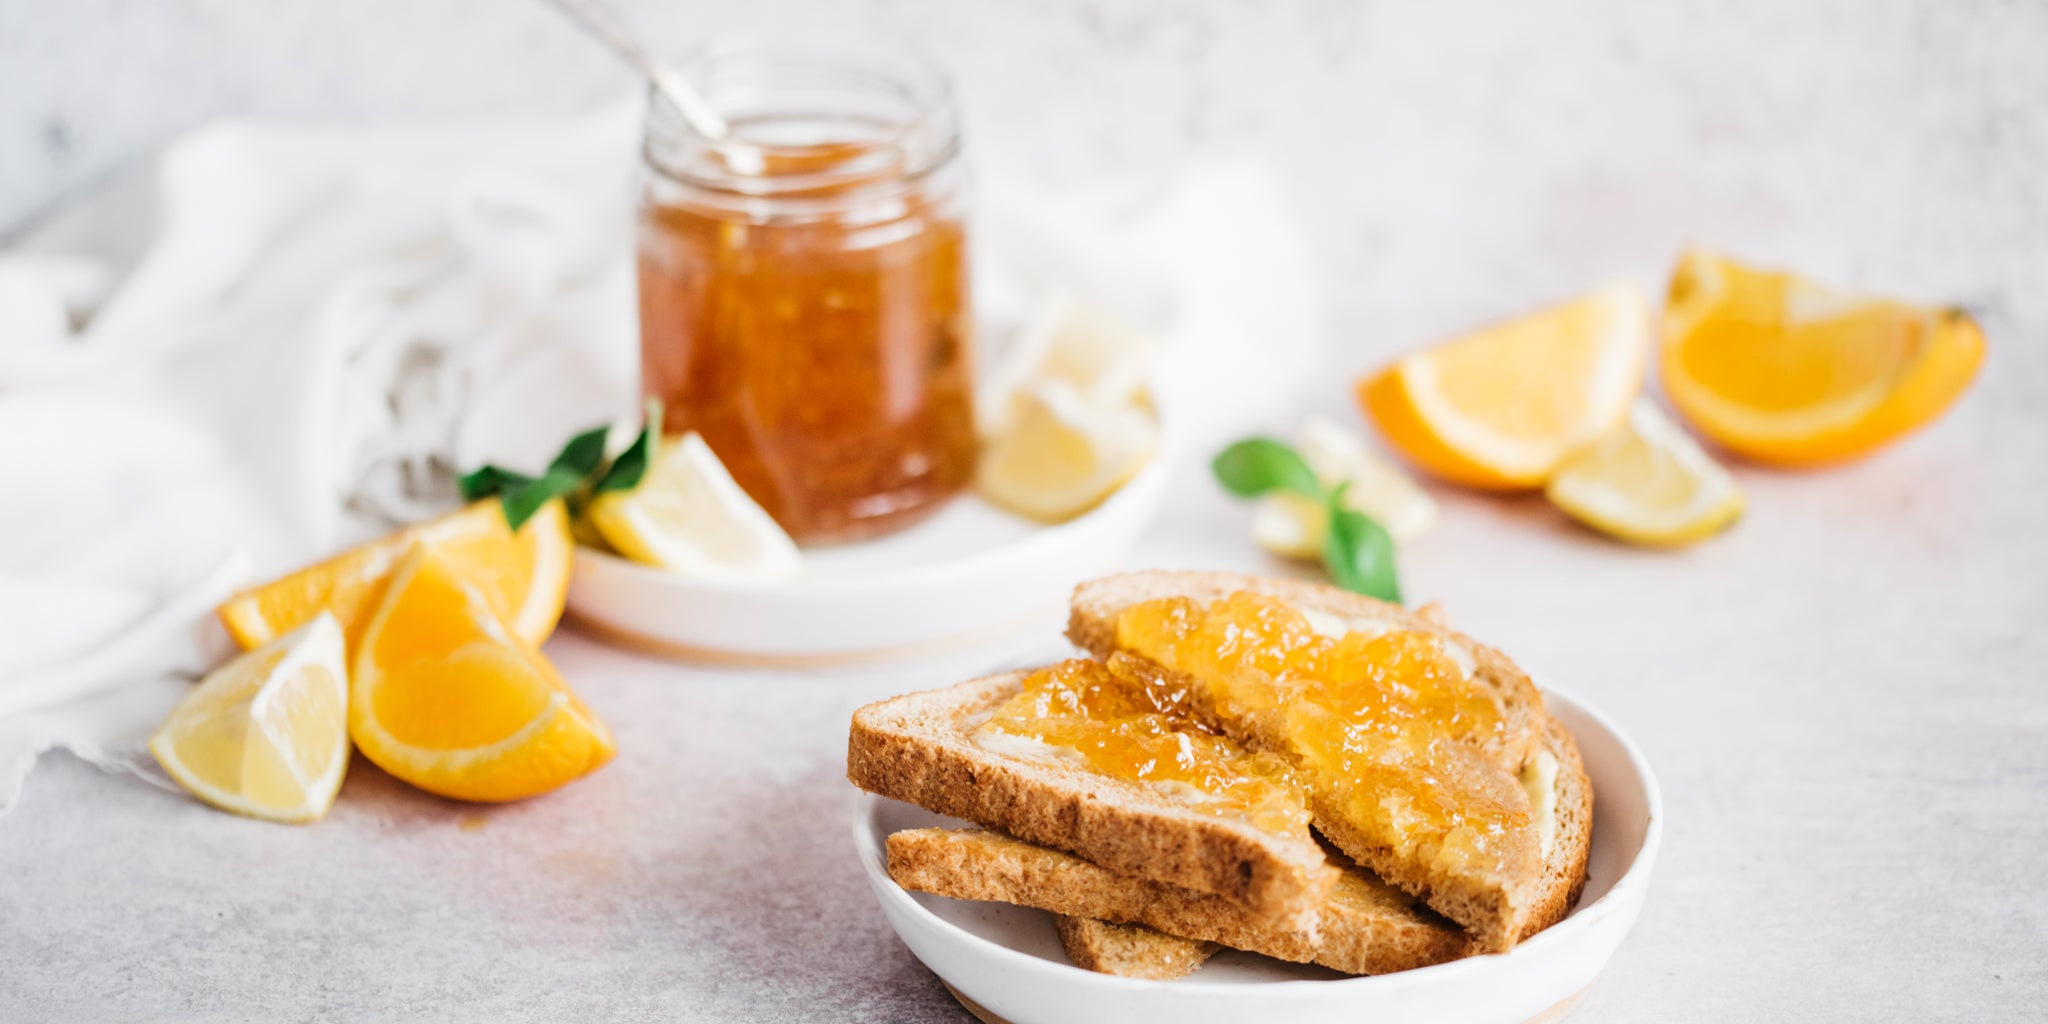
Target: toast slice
<point x="1092" y="626"/>
<point x="1514" y="879"/>
<point x="1129" y="950"/>
<point x="1560" y="799"/>
<point x="924" y="749"/>
<point x="1366" y="926"/>
<point x="1136" y="951"/>
<point x="1563" y="792"/>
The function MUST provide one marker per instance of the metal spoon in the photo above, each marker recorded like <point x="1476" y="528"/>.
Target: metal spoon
<point x="601" y="22"/>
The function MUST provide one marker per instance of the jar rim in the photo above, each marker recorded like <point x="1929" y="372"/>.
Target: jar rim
<point x="911" y="114"/>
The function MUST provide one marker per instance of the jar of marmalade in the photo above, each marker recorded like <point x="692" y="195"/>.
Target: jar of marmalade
<point x="803" y="283"/>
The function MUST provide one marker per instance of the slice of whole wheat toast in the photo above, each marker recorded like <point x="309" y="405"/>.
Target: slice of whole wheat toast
<point x="1366" y="926"/>
<point x="921" y="748"/>
<point x="1139" y="951"/>
<point x="1541" y="898"/>
<point x="1146" y="952"/>
<point x="1092" y="626"/>
<point x="1498" y="905"/>
<point x="1129" y="950"/>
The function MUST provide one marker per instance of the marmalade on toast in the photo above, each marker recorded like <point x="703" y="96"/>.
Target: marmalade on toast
<point x="1387" y="725"/>
<point x="1128" y="727"/>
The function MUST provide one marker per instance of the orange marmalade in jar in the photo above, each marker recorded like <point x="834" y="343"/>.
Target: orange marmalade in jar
<point x="803" y="284"/>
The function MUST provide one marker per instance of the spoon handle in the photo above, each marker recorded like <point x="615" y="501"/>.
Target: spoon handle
<point x="601" y="22"/>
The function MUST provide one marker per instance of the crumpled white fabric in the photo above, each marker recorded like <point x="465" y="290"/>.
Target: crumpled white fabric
<point x="275" y="340"/>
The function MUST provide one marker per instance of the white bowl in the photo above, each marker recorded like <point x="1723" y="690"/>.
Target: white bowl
<point x="1005" y="961"/>
<point x="925" y="588"/>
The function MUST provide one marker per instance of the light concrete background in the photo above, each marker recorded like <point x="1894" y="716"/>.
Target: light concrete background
<point x="1845" y="696"/>
<point x="1455" y="160"/>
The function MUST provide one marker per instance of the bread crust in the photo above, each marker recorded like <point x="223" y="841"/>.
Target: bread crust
<point x="1366" y="926"/>
<point x="1129" y="950"/>
<point x="918" y="748"/>
<point x="1564" y="870"/>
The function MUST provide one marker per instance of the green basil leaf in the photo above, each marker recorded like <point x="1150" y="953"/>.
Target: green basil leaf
<point x="489" y="480"/>
<point x="1359" y="553"/>
<point x="579" y="471"/>
<point x="521" y="502"/>
<point x="583" y="454"/>
<point x="625" y="471"/>
<point x="1257" y="465"/>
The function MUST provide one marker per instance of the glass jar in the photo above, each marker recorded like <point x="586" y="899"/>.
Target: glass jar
<point x="803" y="283"/>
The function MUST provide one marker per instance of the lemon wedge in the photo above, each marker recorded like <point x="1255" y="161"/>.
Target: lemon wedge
<point x="449" y="699"/>
<point x="1288" y="524"/>
<point x="1500" y="407"/>
<point x="1101" y="357"/>
<point x="1061" y="455"/>
<point x="689" y="517"/>
<point x="266" y="735"/>
<point x="1647" y="483"/>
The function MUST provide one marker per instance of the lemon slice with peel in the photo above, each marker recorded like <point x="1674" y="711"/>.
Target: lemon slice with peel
<point x="1294" y="526"/>
<point x="1499" y="408"/>
<point x="689" y="517"/>
<point x="448" y="698"/>
<point x="1647" y="483"/>
<point x="1062" y="455"/>
<point x="1104" y="359"/>
<point x="266" y="735"/>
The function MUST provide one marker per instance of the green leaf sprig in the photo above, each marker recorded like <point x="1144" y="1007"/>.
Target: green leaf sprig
<point x="578" y="473"/>
<point x="1357" y="550"/>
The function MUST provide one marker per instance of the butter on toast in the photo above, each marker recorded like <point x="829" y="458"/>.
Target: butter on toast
<point x="1523" y="883"/>
<point x="1366" y="926"/>
<point x="922" y="748"/>
<point x="1129" y="950"/>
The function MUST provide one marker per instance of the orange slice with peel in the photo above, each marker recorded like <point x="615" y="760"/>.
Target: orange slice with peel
<point x="445" y="696"/>
<point x="1784" y="371"/>
<point x="1500" y="408"/>
<point x="525" y="575"/>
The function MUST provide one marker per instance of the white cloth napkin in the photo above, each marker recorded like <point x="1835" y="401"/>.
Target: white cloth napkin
<point x="274" y="341"/>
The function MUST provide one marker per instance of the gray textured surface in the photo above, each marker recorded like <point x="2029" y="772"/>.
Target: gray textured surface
<point x="1844" y="696"/>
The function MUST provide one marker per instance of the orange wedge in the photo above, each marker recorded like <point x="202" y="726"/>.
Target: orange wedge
<point x="1784" y="371"/>
<point x="1500" y="408"/>
<point x="525" y="575"/>
<point x="446" y="697"/>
